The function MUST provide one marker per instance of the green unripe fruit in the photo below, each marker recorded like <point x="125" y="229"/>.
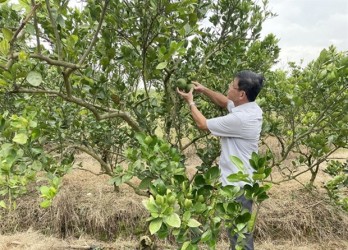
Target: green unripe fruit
<point x="148" y="139"/>
<point x="171" y="200"/>
<point x="187" y="203"/>
<point x="181" y="83"/>
<point x="189" y="87"/>
<point x="201" y="198"/>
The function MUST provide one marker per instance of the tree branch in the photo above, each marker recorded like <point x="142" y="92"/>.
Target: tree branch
<point x="55" y="62"/>
<point x="136" y="189"/>
<point x="55" y="30"/>
<point x="109" y="113"/>
<point x="69" y="70"/>
<point x="36" y="29"/>
<point x="193" y="141"/>
<point x="94" y="40"/>
<point x="125" y="116"/>
<point x="24" y="22"/>
<point x="103" y="164"/>
<point x="15" y="36"/>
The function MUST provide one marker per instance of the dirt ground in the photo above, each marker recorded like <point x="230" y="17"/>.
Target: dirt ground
<point x="284" y="219"/>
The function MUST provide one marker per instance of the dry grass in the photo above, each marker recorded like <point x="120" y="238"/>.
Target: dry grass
<point x="301" y="216"/>
<point x="88" y="213"/>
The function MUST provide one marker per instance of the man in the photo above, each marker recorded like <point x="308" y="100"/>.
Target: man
<point x="239" y="130"/>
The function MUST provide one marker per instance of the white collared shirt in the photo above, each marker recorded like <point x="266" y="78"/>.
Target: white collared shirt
<point x="239" y="132"/>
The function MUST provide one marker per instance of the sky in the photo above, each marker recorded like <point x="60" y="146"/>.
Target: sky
<point x="305" y="27"/>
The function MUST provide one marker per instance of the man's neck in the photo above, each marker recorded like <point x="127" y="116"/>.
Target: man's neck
<point x="241" y="103"/>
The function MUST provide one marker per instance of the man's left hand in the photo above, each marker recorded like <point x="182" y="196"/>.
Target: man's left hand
<point x="187" y="96"/>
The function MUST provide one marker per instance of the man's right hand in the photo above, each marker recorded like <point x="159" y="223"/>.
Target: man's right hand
<point x="218" y="98"/>
<point x="199" y="87"/>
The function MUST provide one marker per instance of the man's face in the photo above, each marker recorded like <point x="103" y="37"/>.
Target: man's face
<point x="233" y="91"/>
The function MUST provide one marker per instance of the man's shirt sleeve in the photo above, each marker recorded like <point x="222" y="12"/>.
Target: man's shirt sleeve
<point x="225" y="126"/>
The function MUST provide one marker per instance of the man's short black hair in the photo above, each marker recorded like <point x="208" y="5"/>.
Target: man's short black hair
<point x="250" y="82"/>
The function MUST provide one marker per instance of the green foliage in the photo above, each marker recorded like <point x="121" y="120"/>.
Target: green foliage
<point x="194" y="210"/>
<point x="306" y="111"/>
<point x="149" y="159"/>
<point x="94" y="93"/>
<point x="101" y="79"/>
<point x="22" y="157"/>
<point x="337" y="187"/>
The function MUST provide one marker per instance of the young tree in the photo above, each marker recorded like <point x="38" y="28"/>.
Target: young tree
<point x="305" y="110"/>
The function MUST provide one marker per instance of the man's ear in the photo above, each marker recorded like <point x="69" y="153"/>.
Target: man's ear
<point x="242" y="94"/>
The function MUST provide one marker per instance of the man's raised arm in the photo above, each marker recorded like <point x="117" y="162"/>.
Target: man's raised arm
<point x="218" y="98"/>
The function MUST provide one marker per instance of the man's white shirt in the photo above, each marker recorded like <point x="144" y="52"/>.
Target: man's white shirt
<point x="239" y="132"/>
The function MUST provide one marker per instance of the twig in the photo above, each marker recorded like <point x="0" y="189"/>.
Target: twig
<point x="81" y="247"/>
<point x="94" y="40"/>
<point x="313" y="205"/>
<point x="89" y="171"/>
<point x="24" y="22"/>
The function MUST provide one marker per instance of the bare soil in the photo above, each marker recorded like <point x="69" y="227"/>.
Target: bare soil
<point x="88" y="214"/>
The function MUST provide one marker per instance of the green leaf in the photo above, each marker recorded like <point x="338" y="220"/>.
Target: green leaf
<point x="3" y="83"/>
<point x="163" y="232"/>
<point x="186" y="216"/>
<point x="254" y="160"/>
<point x="237" y="162"/>
<point x="22" y="56"/>
<point x="150" y="205"/>
<point x="34" y="78"/>
<point x="2" y="120"/>
<point x="258" y="177"/>
<point x="35" y="134"/>
<point x="251" y="222"/>
<point x="145" y="183"/>
<point x="241" y="226"/>
<point x="61" y="21"/>
<point x="4" y="47"/>
<point x="185" y="245"/>
<point x="238" y="177"/>
<point x="206" y="236"/>
<point x="212" y="173"/>
<point x="173" y="220"/>
<point x="268" y="171"/>
<point x="199" y="180"/>
<point x="45" y="203"/>
<point x="2" y="204"/>
<point x="126" y="177"/>
<point x="229" y="191"/>
<point x="161" y="65"/>
<point x="243" y="218"/>
<point x="261" y="162"/>
<point x="20" y="138"/>
<point x="37" y="165"/>
<point x="45" y="191"/>
<point x="33" y="124"/>
<point x="7" y="33"/>
<point x="193" y="223"/>
<point x="140" y="137"/>
<point x="155" y="225"/>
<point x="261" y="197"/>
